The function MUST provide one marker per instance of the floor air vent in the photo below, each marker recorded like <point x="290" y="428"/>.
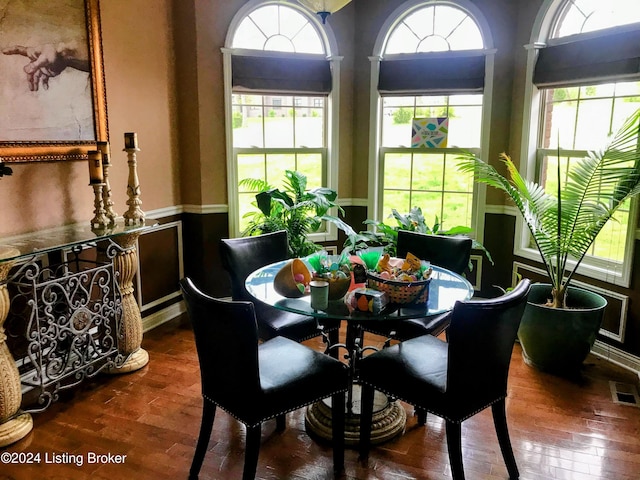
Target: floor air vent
<point x="625" y="394"/>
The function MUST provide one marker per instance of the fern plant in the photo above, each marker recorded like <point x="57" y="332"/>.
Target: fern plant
<point x="294" y="209"/>
<point x="565" y="225"/>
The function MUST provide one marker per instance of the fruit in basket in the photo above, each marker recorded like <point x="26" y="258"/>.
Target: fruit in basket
<point x="404" y="280"/>
<point x="411" y="269"/>
<point x="385" y="275"/>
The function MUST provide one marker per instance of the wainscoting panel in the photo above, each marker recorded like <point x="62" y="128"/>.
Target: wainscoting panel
<point x="161" y="267"/>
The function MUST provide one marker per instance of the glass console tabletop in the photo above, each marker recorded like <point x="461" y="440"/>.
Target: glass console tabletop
<point x="68" y="236"/>
<point x="445" y="289"/>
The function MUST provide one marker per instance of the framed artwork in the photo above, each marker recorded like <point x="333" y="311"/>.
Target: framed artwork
<point x="430" y="132"/>
<point x="52" y="90"/>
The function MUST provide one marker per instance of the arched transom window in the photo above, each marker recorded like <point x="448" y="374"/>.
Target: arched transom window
<point x="277" y="28"/>
<point x="437" y="28"/>
<point x="582" y="16"/>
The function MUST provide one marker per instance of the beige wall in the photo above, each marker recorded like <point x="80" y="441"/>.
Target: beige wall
<point x="139" y="73"/>
<point x="164" y="80"/>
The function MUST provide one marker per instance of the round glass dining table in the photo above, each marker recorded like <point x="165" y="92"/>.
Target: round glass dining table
<point x="445" y="289"/>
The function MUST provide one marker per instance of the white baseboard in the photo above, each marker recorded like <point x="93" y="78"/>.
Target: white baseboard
<point x="617" y="357"/>
<point x="162" y="316"/>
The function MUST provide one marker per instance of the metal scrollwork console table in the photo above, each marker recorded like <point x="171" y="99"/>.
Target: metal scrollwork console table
<point x="67" y="313"/>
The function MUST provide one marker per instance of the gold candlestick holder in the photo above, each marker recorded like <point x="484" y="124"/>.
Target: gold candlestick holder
<point x="134" y="214"/>
<point x="106" y="196"/>
<point x="99" y="219"/>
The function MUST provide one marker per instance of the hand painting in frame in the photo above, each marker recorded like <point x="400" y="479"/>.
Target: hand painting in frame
<point x="52" y="92"/>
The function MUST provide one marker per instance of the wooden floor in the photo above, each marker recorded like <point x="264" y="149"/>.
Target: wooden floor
<point x="560" y="429"/>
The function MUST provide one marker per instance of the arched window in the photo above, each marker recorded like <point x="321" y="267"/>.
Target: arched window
<point x="437" y="28"/>
<point x="277" y="28"/>
<point x="585" y="83"/>
<point x="280" y="85"/>
<point x="583" y="16"/>
<point x="433" y="59"/>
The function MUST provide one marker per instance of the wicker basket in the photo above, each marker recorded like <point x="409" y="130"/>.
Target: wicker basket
<point x="401" y="292"/>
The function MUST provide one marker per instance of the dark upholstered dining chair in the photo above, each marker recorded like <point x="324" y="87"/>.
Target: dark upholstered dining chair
<point x="242" y="256"/>
<point x="255" y="381"/>
<point x="455" y="379"/>
<point x="449" y="252"/>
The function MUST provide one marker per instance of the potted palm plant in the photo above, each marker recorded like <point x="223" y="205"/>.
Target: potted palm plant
<point x="560" y="322"/>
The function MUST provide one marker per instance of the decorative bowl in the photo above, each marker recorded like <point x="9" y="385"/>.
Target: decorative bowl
<point x="338" y="287"/>
<point x="285" y="281"/>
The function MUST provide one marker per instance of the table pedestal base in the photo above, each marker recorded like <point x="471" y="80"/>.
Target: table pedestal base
<point x="389" y="419"/>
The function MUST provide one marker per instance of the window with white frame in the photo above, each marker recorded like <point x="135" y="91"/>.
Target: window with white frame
<point x="432" y="66"/>
<point x="279" y="86"/>
<point x="280" y="133"/>
<point x="586" y="90"/>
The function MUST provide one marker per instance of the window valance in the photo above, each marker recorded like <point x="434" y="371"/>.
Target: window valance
<point x="278" y="74"/>
<point x="596" y="59"/>
<point x="417" y="76"/>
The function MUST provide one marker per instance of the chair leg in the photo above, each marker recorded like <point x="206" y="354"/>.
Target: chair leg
<point x="252" y="449"/>
<point x="337" y="425"/>
<point x="281" y="422"/>
<point x="208" y="415"/>
<point x="500" y="422"/>
<point x="454" y="445"/>
<point x="366" y="414"/>
<point x="422" y="416"/>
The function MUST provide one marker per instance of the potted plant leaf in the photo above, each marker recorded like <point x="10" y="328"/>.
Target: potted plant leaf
<point x="295" y="209"/>
<point x="560" y="322"/>
<point x="386" y="234"/>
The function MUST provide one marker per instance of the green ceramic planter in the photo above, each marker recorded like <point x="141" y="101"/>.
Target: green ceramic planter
<point x="558" y="340"/>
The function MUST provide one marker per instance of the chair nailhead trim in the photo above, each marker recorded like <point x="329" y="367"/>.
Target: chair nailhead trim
<point x="433" y="412"/>
<point x="342" y="390"/>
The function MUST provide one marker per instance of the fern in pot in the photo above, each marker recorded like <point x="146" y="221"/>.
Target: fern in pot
<point x="563" y="227"/>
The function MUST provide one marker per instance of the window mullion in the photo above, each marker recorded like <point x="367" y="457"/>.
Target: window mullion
<point x="575" y="120"/>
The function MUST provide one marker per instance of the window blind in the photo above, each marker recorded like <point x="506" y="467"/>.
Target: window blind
<point x="266" y="74"/>
<point x="416" y="76"/>
<point x="597" y="59"/>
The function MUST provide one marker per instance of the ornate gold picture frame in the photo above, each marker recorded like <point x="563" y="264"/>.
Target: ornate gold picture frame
<point x="52" y="90"/>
